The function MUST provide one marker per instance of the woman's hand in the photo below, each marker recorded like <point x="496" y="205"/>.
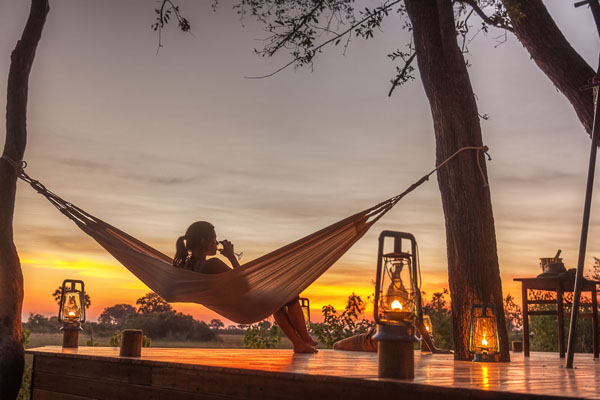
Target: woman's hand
<point x="229" y="253"/>
<point x="227" y="250"/>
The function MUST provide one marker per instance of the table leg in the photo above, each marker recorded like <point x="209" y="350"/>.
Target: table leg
<point x="595" y="322"/>
<point x="525" y="320"/>
<point x="561" y="321"/>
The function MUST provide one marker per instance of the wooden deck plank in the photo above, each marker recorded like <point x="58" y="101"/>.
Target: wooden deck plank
<point x="39" y="394"/>
<point x="74" y="387"/>
<point x="238" y="372"/>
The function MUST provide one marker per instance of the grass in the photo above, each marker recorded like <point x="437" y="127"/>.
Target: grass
<point x="226" y="342"/>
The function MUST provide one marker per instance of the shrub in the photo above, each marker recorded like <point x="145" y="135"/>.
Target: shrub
<point x="171" y="324"/>
<point x="91" y="342"/>
<point x="336" y="326"/>
<point x="115" y="340"/>
<point x="544" y="328"/>
<point x="262" y="335"/>
<point x="25" y="337"/>
<point x="38" y="323"/>
<point x="441" y="320"/>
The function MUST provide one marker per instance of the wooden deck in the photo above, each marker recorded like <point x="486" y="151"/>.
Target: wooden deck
<point x="99" y="373"/>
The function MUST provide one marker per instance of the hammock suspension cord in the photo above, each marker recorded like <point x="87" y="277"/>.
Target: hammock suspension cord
<point x="252" y="291"/>
<point x="379" y="210"/>
<point x="74" y="213"/>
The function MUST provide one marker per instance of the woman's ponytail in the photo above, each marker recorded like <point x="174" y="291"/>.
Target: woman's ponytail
<point x="194" y="236"/>
<point x="181" y="253"/>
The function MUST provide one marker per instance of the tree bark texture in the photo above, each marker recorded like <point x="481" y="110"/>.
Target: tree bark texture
<point x="473" y="271"/>
<point x="11" y="277"/>
<point x="550" y="50"/>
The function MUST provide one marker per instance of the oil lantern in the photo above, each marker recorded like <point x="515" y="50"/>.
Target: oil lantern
<point x="427" y="324"/>
<point x="71" y="312"/>
<point x="397" y="304"/>
<point x="305" y="305"/>
<point x="483" y="332"/>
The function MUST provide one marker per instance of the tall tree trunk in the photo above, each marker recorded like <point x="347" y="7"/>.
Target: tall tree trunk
<point x="11" y="277"/>
<point x="474" y="274"/>
<point x="550" y="50"/>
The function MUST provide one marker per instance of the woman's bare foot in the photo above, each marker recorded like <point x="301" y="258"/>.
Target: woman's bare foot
<point x="304" y="348"/>
<point x="310" y="341"/>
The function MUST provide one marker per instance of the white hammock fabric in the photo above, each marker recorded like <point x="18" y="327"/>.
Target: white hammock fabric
<point x="246" y="294"/>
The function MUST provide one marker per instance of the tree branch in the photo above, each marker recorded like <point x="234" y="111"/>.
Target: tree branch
<point x="569" y="72"/>
<point x="400" y="77"/>
<point x="490" y="21"/>
<point x="303" y="21"/>
<point x="163" y="17"/>
<point x="336" y="37"/>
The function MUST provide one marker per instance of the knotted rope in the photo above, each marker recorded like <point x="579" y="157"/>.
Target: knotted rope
<point x="382" y="208"/>
<point x="18" y="167"/>
<point x="65" y="207"/>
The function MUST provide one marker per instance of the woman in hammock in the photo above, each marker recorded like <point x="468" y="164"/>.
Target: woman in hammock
<point x="200" y="241"/>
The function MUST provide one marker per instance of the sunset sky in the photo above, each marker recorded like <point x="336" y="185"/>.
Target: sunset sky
<point x="152" y="142"/>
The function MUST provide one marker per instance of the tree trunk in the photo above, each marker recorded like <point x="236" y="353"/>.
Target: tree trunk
<point x="11" y="278"/>
<point x="553" y="54"/>
<point x="474" y="274"/>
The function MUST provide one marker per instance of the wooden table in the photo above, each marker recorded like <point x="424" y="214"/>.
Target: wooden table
<point x="560" y="286"/>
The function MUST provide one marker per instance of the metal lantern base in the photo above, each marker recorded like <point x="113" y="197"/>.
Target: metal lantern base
<point x="71" y="336"/>
<point x="484" y="357"/>
<point x="396" y="351"/>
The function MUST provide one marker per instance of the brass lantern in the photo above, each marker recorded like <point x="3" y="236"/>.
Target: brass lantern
<point x="305" y="305"/>
<point x="483" y="332"/>
<point x="71" y="312"/>
<point x="72" y="303"/>
<point x="427" y="324"/>
<point x="397" y="288"/>
<point x="397" y="304"/>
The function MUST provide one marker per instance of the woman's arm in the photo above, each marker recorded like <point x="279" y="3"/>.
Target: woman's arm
<point x="214" y="266"/>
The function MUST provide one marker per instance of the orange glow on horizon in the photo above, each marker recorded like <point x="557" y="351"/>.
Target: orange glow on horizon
<point x="108" y="283"/>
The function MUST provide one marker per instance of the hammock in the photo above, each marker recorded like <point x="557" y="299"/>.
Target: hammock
<point x="246" y="294"/>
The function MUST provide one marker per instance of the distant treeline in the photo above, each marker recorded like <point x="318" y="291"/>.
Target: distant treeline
<point x="153" y="315"/>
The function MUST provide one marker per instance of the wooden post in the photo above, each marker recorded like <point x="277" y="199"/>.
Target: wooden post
<point x="396" y="359"/>
<point x="584" y="229"/>
<point x="71" y="337"/>
<point x="131" y="343"/>
<point x="561" y="318"/>
<point x="595" y="322"/>
<point x="517" y="346"/>
<point x="525" y="320"/>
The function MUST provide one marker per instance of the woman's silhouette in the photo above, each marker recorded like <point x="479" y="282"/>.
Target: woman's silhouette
<point x="200" y="242"/>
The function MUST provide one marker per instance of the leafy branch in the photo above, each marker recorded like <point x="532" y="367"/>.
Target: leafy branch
<point x="301" y="29"/>
<point x="163" y="15"/>
<point x="406" y="73"/>
<point x="498" y="19"/>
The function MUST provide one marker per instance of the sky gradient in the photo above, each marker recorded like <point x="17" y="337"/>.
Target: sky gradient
<point x="152" y="142"/>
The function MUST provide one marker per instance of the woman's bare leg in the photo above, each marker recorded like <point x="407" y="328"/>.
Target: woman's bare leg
<point x="283" y="321"/>
<point x="296" y="316"/>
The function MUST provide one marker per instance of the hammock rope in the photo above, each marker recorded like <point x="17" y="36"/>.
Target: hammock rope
<point x="256" y="289"/>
